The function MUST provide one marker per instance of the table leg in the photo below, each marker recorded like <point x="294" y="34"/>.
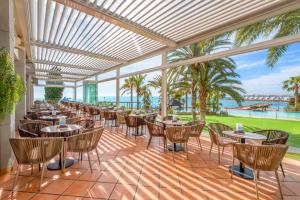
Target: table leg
<point x="58" y="163"/>
<point x="175" y="146"/>
<point x="240" y="170"/>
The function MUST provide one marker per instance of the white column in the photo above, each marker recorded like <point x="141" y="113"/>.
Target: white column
<point x="164" y="87"/>
<point x="118" y="87"/>
<point x="7" y="125"/>
<point x="75" y="92"/>
<point x="20" y="68"/>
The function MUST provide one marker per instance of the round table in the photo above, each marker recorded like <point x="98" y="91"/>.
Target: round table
<point x="175" y="146"/>
<point x="52" y="118"/>
<point x="141" y="116"/>
<point x="56" y="131"/>
<point x="240" y="170"/>
<point x="49" y="111"/>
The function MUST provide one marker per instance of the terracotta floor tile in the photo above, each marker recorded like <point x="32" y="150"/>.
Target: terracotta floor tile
<point x="79" y="188"/>
<point x="129" y="171"/>
<point x="144" y="192"/>
<point x="69" y="198"/>
<point x="57" y="186"/>
<point x="124" y="192"/>
<point x="19" y="195"/>
<point x="101" y="190"/>
<point x="45" y="197"/>
<point x="169" y="182"/>
<point x="149" y="180"/>
<point x="170" y="193"/>
<point x="129" y="178"/>
<point x="110" y="177"/>
<point x="89" y="176"/>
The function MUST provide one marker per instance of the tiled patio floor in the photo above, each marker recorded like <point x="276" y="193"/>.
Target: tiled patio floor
<point x="129" y="171"/>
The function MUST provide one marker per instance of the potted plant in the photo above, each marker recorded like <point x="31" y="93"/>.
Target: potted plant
<point x="12" y="86"/>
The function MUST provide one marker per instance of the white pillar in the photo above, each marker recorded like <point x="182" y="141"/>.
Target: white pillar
<point x="164" y="86"/>
<point x="7" y="125"/>
<point x="118" y="87"/>
<point x="75" y="93"/>
<point x="20" y="68"/>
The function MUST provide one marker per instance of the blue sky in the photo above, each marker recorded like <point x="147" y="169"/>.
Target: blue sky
<point x="255" y="75"/>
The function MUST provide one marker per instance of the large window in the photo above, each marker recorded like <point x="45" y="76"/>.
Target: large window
<point x="68" y="93"/>
<point x="79" y="94"/>
<point x="107" y="91"/>
<point x="106" y="75"/>
<point x="38" y="93"/>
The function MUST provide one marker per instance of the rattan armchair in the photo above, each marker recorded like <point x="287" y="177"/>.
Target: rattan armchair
<point x="87" y="124"/>
<point x="132" y="123"/>
<point x="260" y="158"/>
<point x="85" y="142"/>
<point x="217" y="137"/>
<point x="110" y="117"/>
<point x="33" y="128"/>
<point x="121" y="120"/>
<point x="197" y="130"/>
<point x="180" y="135"/>
<point x="30" y="151"/>
<point x="275" y="137"/>
<point x="24" y="121"/>
<point x="72" y="120"/>
<point x="155" y="130"/>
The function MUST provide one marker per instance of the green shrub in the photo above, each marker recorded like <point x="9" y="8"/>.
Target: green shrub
<point x="53" y="94"/>
<point x="12" y="86"/>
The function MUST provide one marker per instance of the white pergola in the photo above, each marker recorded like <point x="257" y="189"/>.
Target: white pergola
<point x="86" y="38"/>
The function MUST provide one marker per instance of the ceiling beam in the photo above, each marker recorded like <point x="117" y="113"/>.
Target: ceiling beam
<point x="53" y="71"/>
<point x="55" y="77"/>
<point x="65" y="65"/>
<point x="279" y="8"/>
<point x="112" y="18"/>
<point x="227" y="53"/>
<point x="77" y="51"/>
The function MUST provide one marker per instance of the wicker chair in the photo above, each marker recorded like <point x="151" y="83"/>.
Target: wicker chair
<point x="87" y="124"/>
<point x="151" y="118"/>
<point x="132" y="122"/>
<point x="275" y="137"/>
<point x="72" y="120"/>
<point x="178" y="134"/>
<point x="156" y="130"/>
<point x="33" y="128"/>
<point x="24" y="121"/>
<point x="121" y="120"/>
<point x="110" y="117"/>
<point x="260" y="158"/>
<point x="30" y="151"/>
<point x="216" y="136"/>
<point x="85" y="142"/>
<point x="32" y="116"/>
<point x="197" y="130"/>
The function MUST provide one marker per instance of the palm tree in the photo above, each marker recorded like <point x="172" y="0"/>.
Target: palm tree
<point x="138" y="84"/>
<point x="146" y="94"/>
<point x="128" y="87"/>
<point x="204" y="77"/>
<point x="282" y="25"/>
<point x="292" y="85"/>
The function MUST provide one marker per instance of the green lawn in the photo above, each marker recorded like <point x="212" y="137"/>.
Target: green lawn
<point x="251" y="124"/>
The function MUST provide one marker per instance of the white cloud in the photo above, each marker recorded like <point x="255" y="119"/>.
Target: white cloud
<point x="251" y="64"/>
<point x="270" y="83"/>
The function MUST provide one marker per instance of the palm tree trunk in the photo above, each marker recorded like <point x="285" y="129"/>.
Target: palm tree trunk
<point x="202" y="98"/>
<point x="131" y="97"/>
<point x="194" y="104"/>
<point x="296" y="95"/>
<point x="186" y="101"/>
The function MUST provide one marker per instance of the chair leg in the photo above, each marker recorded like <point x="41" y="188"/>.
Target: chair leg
<point x="211" y="146"/>
<point x="199" y="143"/>
<point x="255" y="183"/>
<point x="223" y="150"/>
<point x="164" y="144"/>
<point x="42" y="175"/>
<point x="219" y="159"/>
<point x="279" y="186"/>
<point x="187" y="151"/>
<point x="31" y="169"/>
<point x="282" y="169"/>
<point x="16" y="177"/>
<point x="231" y="174"/>
<point x="149" y="141"/>
<point x="90" y="162"/>
<point x="98" y="157"/>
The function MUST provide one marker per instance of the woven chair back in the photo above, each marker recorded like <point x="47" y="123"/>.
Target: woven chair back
<point x="35" y="150"/>
<point x="178" y="134"/>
